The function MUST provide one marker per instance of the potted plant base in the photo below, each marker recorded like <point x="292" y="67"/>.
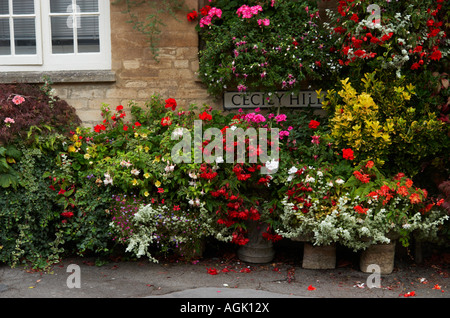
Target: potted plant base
<point x="378" y="254"/>
<point x="319" y="257"/>
<point x="258" y="250"/>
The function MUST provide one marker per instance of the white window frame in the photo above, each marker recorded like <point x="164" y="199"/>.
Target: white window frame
<point x="47" y="61"/>
<point x="23" y="59"/>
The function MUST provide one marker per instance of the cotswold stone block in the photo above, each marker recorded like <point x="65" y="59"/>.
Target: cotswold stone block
<point x="319" y="257"/>
<point x="379" y="254"/>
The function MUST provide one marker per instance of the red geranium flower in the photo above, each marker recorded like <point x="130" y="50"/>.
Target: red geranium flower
<point x="205" y="116"/>
<point x="347" y="154"/>
<point x="191" y="16"/>
<point x="355" y="18"/>
<point x="205" y="10"/>
<point x="313" y="124"/>
<point x="171" y="103"/>
<point x="166" y="121"/>
<point x="99" y="128"/>
<point x="125" y="127"/>
<point x="67" y="214"/>
<point x="415" y="66"/>
<point x="436" y="55"/>
<point x="119" y="108"/>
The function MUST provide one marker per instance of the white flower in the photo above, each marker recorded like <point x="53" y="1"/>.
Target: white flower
<point x="309" y="179"/>
<point x="192" y="175"/>
<point x="219" y="159"/>
<point x="108" y="179"/>
<point x="124" y="163"/>
<point x="169" y="168"/>
<point x="292" y="170"/>
<point x="340" y="181"/>
<point x="178" y="132"/>
<point x="135" y="172"/>
<point x="272" y="164"/>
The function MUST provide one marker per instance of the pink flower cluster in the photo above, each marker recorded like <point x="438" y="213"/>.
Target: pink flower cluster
<point x="18" y="100"/>
<point x="247" y="12"/>
<point x="213" y="12"/>
<point x="265" y="22"/>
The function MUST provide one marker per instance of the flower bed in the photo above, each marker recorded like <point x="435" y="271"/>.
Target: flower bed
<point x="160" y="178"/>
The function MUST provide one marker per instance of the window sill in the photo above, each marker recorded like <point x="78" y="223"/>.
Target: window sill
<point x="58" y="77"/>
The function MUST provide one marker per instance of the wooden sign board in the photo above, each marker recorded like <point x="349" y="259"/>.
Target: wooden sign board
<point x="236" y="100"/>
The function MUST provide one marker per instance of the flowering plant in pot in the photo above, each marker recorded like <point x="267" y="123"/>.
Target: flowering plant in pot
<point x="389" y="208"/>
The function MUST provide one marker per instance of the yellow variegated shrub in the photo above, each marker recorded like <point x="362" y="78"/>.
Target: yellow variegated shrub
<point x="379" y="122"/>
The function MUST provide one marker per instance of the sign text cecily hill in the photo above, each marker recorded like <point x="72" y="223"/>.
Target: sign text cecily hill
<point x="233" y="100"/>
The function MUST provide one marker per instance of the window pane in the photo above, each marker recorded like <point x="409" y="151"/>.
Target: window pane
<point x="5" y="44"/>
<point x="88" y="35"/>
<point x="4" y="7"/>
<point x="23" y="6"/>
<point x="88" y="5"/>
<point x="24" y="35"/>
<point x="60" y="6"/>
<point x="62" y="34"/>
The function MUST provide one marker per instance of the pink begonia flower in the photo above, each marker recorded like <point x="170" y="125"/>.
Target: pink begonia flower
<point x="9" y="120"/>
<point x="247" y="12"/>
<point x="265" y="22"/>
<point x="283" y="133"/>
<point x="206" y="20"/>
<point x="280" y="117"/>
<point x="18" y="100"/>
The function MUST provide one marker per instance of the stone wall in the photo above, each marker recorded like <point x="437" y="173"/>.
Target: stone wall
<point x="137" y="74"/>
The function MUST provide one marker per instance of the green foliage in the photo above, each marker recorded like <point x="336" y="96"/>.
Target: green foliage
<point x="243" y="54"/>
<point x="29" y="217"/>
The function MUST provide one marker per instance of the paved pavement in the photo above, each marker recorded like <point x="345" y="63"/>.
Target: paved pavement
<point x="225" y="277"/>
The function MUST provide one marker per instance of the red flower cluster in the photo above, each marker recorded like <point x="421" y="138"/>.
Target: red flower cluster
<point x="67" y="214"/>
<point x="313" y="124"/>
<point x="360" y="209"/>
<point x="234" y="211"/>
<point x="364" y="178"/>
<point x="207" y="173"/>
<point x="171" y="103"/>
<point x="166" y="121"/>
<point x="205" y="116"/>
<point x="191" y="16"/>
<point x="348" y="154"/>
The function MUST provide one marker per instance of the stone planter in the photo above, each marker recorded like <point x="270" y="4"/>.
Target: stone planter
<point x="319" y="257"/>
<point x="258" y="250"/>
<point x="378" y="254"/>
